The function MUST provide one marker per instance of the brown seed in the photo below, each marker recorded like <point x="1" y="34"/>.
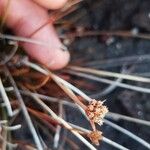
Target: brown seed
<point x="95" y="136"/>
<point x="96" y="111"/>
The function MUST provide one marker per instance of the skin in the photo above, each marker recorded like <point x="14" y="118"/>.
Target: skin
<point x="24" y="17"/>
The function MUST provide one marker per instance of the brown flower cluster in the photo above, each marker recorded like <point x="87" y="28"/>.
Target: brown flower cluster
<point x="95" y="136"/>
<point x="96" y="111"/>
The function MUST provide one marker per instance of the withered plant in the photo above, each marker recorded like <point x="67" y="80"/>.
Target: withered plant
<point x="34" y="97"/>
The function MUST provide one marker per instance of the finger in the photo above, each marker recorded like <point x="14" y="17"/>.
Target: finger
<point x="24" y="17"/>
<point x="51" y="4"/>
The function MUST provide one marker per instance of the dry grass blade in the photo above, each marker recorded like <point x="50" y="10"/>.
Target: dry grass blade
<point x="124" y="131"/>
<point x="111" y="87"/>
<point x="110" y="74"/>
<point x="24" y="110"/>
<point x="41" y="96"/>
<point x="144" y="143"/>
<point x="58" y="14"/>
<point x="95" y="110"/>
<point x="73" y="105"/>
<point x="22" y="39"/>
<point x="63" y="122"/>
<point x="111" y="115"/>
<point x="114" y="144"/>
<point x="48" y="98"/>
<point x="108" y="90"/>
<point x="70" y="86"/>
<point x="71" y="95"/>
<point x="70" y="4"/>
<point x="116" y="116"/>
<point x="44" y="97"/>
<point x="3" y="122"/>
<point x="10" y="145"/>
<point x="38" y="86"/>
<point x="114" y="62"/>
<point x="109" y="33"/>
<point x="5" y="99"/>
<point x="107" y="81"/>
<point x="128" y="133"/>
<point x="58" y="128"/>
<point x="104" y="139"/>
<point x="13" y="51"/>
<point x="4" y="139"/>
<point x="56" y="78"/>
<point x="12" y="128"/>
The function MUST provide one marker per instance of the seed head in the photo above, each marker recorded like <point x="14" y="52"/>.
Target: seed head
<point x="96" y="111"/>
<point x="95" y="136"/>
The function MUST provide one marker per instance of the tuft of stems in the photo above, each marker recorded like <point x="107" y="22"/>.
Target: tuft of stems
<point x="94" y="110"/>
<point x="5" y="99"/>
<point x="25" y="112"/>
<point x="110" y="74"/>
<point x="63" y="122"/>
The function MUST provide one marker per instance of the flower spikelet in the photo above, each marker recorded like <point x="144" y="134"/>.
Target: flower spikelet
<point x="96" y="111"/>
<point x="95" y="136"/>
